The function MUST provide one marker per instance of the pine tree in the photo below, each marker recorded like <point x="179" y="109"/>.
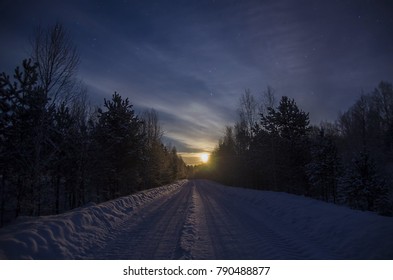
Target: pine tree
<point x="119" y="144"/>
<point x="26" y="132"/>
<point x="7" y="111"/>
<point x="288" y="121"/>
<point x="287" y="127"/>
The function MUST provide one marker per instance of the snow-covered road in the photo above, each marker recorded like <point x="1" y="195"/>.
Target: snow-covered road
<point x="200" y="219"/>
<point x="204" y="220"/>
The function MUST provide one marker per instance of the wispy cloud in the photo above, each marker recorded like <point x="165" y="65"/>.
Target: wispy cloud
<point x="191" y="62"/>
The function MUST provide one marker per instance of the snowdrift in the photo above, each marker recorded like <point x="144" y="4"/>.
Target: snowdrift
<point x="72" y="234"/>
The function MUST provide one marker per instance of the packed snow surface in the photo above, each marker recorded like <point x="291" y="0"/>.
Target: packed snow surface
<point x="199" y="219"/>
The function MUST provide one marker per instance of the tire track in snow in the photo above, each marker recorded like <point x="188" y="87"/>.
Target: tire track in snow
<point x="220" y="229"/>
<point x="233" y="233"/>
<point x="195" y="241"/>
<point x="155" y="234"/>
<point x="239" y="234"/>
<point x="289" y="242"/>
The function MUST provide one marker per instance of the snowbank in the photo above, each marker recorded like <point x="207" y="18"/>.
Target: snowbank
<point x="69" y="235"/>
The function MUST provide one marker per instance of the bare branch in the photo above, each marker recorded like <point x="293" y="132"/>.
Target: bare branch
<point x="57" y="60"/>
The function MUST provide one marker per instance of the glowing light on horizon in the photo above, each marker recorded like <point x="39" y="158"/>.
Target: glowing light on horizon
<point x="204" y="157"/>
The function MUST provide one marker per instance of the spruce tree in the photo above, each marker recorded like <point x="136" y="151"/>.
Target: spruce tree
<point x="363" y="188"/>
<point x="323" y="171"/>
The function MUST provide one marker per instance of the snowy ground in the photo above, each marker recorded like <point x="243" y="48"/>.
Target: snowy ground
<point x="200" y="219"/>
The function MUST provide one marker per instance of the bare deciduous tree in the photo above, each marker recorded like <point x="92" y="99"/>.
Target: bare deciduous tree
<point x="151" y="127"/>
<point x="268" y="100"/>
<point x="58" y="60"/>
<point x="248" y="112"/>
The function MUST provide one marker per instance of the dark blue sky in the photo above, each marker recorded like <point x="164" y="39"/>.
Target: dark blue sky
<point x="191" y="60"/>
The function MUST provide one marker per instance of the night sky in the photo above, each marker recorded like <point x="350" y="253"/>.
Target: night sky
<point x="192" y="60"/>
